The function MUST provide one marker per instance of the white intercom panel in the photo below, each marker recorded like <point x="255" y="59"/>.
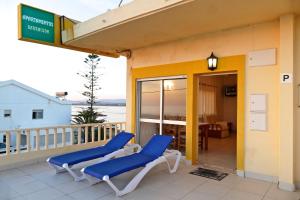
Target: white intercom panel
<point x="258" y="112"/>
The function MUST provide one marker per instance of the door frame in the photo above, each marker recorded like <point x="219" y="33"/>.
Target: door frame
<point x="192" y="69"/>
<point x="212" y="74"/>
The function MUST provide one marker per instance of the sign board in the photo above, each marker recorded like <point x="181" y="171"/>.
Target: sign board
<point x="43" y="27"/>
<point x="286" y="78"/>
<point x="36" y="24"/>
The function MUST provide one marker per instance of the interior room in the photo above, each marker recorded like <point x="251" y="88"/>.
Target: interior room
<point x="217" y="109"/>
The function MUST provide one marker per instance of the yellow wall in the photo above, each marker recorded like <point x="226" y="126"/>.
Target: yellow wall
<point x="192" y="70"/>
<point x="261" y="148"/>
<point x="297" y="113"/>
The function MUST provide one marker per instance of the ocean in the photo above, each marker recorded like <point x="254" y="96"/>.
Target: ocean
<point x="113" y="113"/>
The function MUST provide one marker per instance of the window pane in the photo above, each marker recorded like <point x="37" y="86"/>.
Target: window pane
<point x="7" y="113"/>
<point x="147" y="130"/>
<point x="175" y="99"/>
<point x="37" y="114"/>
<point x="150" y="99"/>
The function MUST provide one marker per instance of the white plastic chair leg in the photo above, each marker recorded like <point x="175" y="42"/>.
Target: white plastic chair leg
<point x="171" y="153"/>
<point x="137" y="179"/>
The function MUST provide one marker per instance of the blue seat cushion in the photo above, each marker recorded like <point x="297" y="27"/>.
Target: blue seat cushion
<point x="118" y="166"/>
<point x="80" y="156"/>
<point x="116" y="143"/>
<point x="119" y="141"/>
<point x="152" y="150"/>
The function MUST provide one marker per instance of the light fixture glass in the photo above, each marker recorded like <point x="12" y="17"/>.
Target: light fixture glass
<point x="212" y="62"/>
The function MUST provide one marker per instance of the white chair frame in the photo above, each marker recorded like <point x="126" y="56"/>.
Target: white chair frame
<point x="137" y="179"/>
<point x="129" y="148"/>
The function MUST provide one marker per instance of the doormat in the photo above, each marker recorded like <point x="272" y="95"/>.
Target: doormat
<point x="208" y="173"/>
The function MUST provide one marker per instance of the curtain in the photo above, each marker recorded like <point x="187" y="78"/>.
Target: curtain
<point x="208" y="100"/>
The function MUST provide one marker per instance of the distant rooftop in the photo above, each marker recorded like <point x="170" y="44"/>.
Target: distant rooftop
<point x="32" y="90"/>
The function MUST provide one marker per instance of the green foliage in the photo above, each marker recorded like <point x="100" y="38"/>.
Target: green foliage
<point x="91" y="77"/>
<point x="88" y="116"/>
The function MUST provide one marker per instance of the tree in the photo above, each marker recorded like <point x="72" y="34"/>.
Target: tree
<point x="89" y="114"/>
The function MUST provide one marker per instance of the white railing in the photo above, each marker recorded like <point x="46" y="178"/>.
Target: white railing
<point x="35" y="141"/>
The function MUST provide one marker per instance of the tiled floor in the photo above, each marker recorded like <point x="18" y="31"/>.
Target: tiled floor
<point x="40" y="182"/>
<point x="221" y="153"/>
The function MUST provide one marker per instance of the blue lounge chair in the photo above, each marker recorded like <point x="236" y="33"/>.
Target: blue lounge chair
<point x="154" y="153"/>
<point x="113" y="148"/>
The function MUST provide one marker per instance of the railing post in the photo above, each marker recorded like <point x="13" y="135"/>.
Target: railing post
<point x="37" y="141"/>
<point x="7" y="143"/>
<point x="79" y="135"/>
<point x="99" y="133"/>
<point x="28" y="140"/>
<point x="93" y="133"/>
<point x="121" y="127"/>
<point x="110" y="131"/>
<point x="63" y="137"/>
<point x="124" y="127"/>
<point x="104" y="132"/>
<point x="71" y="135"/>
<point x="55" y="138"/>
<point x="18" y="142"/>
<point x="117" y="130"/>
<point x="86" y="135"/>
<point x="46" y="138"/>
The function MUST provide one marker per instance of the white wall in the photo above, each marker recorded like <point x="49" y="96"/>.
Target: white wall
<point x="22" y="102"/>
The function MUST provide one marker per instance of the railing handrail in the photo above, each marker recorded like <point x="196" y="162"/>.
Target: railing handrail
<point x="38" y="141"/>
<point x="61" y="126"/>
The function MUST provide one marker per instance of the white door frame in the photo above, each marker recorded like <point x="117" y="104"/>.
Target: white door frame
<point x="159" y="121"/>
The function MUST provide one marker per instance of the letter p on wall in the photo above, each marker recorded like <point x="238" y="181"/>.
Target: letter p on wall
<point x="286" y="78"/>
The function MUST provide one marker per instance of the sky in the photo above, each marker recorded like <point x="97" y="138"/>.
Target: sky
<point x="50" y="69"/>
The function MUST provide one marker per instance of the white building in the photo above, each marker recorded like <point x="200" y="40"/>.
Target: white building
<point x="24" y="107"/>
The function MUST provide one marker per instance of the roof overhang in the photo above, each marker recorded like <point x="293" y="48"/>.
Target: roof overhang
<point x="140" y="23"/>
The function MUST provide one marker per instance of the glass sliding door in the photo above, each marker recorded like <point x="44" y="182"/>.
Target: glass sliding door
<point x="161" y="106"/>
<point x="174" y="111"/>
<point x="149" y="107"/>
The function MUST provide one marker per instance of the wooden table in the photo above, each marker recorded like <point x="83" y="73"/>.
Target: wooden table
<point x="203" y="133"/>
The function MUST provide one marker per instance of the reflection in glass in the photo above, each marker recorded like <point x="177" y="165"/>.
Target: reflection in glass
<point x="150" y="99"/>
<point x="175" y="99"/>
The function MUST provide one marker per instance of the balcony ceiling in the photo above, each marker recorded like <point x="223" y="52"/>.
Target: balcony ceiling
<point x="141" y="24"/>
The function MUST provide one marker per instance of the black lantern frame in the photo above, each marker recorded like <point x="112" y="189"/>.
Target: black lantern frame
<point x="212" y="61"/>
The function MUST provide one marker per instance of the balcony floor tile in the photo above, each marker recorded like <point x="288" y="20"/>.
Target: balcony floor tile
<point x="39" y="181"/>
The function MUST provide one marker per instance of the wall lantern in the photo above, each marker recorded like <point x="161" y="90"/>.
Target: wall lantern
<point x="212" y="62"/>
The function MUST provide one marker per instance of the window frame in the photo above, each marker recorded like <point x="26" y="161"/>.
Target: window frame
<point x="4" y="113"/>
<point x="37" y="116"/>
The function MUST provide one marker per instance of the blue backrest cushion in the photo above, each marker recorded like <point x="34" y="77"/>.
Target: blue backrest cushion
<point x="119" y="141"/>
<point x="157" y="145"/>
